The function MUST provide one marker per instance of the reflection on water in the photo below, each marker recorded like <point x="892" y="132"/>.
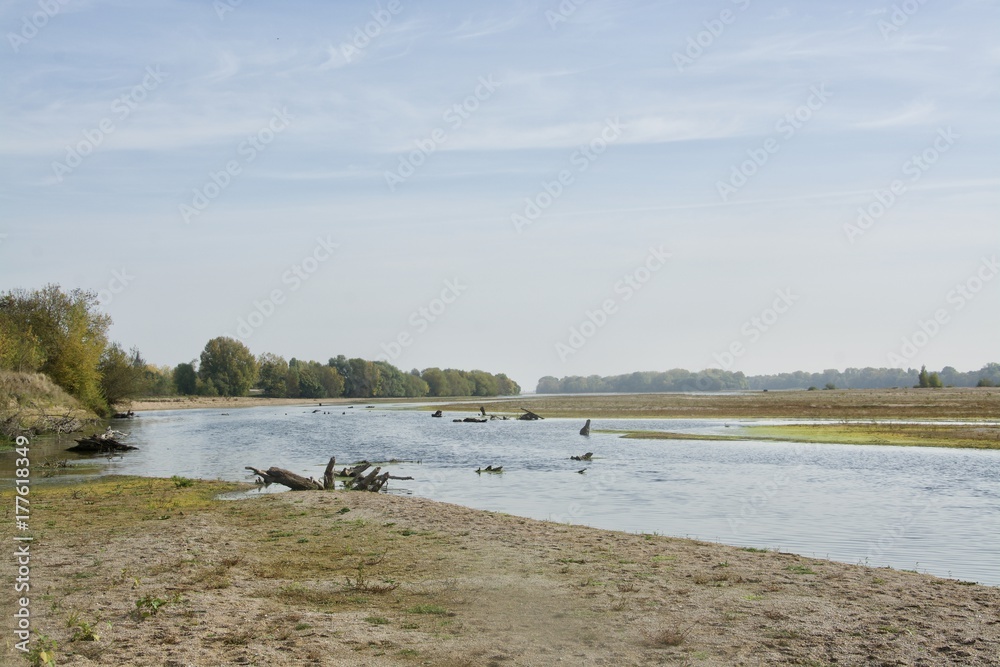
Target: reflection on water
<point x="928" y="509"/>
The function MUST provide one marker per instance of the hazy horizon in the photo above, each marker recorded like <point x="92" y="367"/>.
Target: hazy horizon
<point x="540" y="188"/>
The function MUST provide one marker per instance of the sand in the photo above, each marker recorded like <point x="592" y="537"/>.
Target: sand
<point x="354" y="578"/>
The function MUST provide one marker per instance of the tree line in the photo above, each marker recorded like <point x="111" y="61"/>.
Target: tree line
<point x="679" y="379"/>
<point x="64" y="335"/>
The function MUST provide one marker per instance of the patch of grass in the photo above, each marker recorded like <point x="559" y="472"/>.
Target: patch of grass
<point x="181" y="482"/>
<point x="434" y="609"/>
<point x="149" y="605"/>
<point x="669" y="635"/>
<point x="377" y="620"/>
<point x="754" y="550"/>
<point x="800" y="569"/>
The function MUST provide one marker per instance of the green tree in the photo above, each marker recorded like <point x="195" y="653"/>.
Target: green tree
<point x="65" y="332"/>
<point x="934" y="381"/>
<point x="923" y="379"/>
<point x="331" y="380"/>
<point x="228" y="365"/>
<point x="273" y="372"/>
<point x="186" y="379"/>
<point x="122" y="374"/>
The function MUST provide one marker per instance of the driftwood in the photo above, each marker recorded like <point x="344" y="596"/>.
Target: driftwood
<point x="123" y="415"/>
<point x="100" y="444"/>
<point x="529" y="416"/>
<point x="438" y="413"/>
<point x="586" y="457"/>
<point x="286" y="478"/>
<point x="359" y="478"/>
<point x="489" y="469"/>
<point x="586" y="428"/>
<point x="482" y="410"/>
<point x="471" y="420"/>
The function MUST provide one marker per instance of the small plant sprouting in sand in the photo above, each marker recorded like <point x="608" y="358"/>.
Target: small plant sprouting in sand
<point x="82" y="630"/>
<point x="377" y="620"/>
<point x="148" y="605"/>
<point x="42" y="652"/>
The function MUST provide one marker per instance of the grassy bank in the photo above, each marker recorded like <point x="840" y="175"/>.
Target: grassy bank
<point x="164" y="573"/>
<point x="975" y="436"/>
<point x="906" y="404"/>
<point x="32" y="403"/>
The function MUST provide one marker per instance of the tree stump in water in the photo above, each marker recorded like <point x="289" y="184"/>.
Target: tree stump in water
<point x="586" y="428"/>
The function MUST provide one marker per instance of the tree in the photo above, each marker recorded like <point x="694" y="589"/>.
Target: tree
<point x="331" y="380"/>
<point x="923" y="380"/>
<point x="273" y="371"/>
<point x="227" y="366"/>
<point x="934" y="381"/>
<point x="186" y="379"/>
<point x="122" y="374"/>
<point x="63" y="331"/>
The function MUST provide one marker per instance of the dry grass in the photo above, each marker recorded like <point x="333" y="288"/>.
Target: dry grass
<point x="951" y="403"/>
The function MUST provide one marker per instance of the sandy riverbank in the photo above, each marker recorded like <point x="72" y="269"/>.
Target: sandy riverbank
<point x="369" y="579"/>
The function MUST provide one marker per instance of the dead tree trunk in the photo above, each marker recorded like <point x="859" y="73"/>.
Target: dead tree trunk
<point x="328" y="474"/>
<point x="286" y="478"/>
<point x="529" y="416"/>
<point x="586" y="428"/>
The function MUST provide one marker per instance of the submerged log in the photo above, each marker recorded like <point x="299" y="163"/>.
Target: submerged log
<point x="586" y="428"/>
<point x="586" y="457"/>
<point x="99" y="444"/>
<point x="437" y="413"/>
<point x="529" y="416"/>
<point x="489" y="469"/>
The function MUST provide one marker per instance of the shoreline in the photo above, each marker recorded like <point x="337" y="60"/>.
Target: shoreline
<point x="357" y="578"/>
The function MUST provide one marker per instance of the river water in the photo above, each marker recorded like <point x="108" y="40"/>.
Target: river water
<point x="933" y="510"/>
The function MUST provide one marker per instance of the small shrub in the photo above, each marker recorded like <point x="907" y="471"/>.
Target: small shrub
<point x="42" y="652"/>
<point x="181" y="482"/>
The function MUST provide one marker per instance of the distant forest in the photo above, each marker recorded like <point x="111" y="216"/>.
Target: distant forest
<point x="712" y="379"/>
<point x="64" y="336"/>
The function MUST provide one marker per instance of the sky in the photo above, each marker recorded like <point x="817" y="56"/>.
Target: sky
<point x="535" y="188"/>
